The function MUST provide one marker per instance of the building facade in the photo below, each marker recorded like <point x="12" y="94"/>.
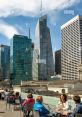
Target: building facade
<point x="43" y="46"/>
<point x="71" y="50"/>
<point x="4" y="62"/>
<point x="21" y="58"/>
<point x="35" y="64"/>
<point x="58" y="62"/>
<point x="80" y="72"/>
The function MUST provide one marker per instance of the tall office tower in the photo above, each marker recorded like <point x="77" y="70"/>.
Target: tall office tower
<point x="35" y="64"/>
<point x="44" y="57"/>
<point x="71" y="51"/>
<point x="21" y="58"/>
<point x="58" y="62"/>
<point x="4" y="62"/>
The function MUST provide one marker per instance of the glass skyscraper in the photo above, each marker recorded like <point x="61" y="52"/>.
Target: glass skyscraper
<point x="4" y="62"/>
<point x="43" y="50"/>
<point x="58" y="62"/>
<point x="21" y="58"/>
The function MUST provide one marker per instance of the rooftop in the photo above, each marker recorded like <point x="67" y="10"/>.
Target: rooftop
<point x="71" y="21"/>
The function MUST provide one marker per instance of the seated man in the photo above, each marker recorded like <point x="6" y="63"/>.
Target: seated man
<point x="38" y="106"/>
<point x="78" y="108"/>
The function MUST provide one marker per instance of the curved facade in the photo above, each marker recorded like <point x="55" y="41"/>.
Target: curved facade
<point x="44" y="48"/>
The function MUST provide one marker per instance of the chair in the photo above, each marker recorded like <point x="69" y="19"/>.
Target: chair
<point x="27" y="109"/>
<point x="78" y="115"/>
<point x="36" y="113"/>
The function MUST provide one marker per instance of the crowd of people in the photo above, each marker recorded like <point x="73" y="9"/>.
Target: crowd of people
<point x="62" y="109"/>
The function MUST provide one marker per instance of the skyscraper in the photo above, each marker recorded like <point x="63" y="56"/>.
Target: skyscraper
<point x="43" y="47"/>
<point x="21" y="58"/>
<point x="58" y="62"/>
<point x="4" y="62"/>
<point x="71" y="51"/>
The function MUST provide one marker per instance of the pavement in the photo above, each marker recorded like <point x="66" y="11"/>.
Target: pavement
<point x="9" y="112"/>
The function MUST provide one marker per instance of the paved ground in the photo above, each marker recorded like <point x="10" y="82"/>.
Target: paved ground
<point x="9" y="112"/>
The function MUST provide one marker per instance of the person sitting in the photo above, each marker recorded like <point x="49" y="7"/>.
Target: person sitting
<point x="38" y="106"/>
<point x="63" y="106"/>
<point x="78" y="108"/>
<point x="28" y="103"/>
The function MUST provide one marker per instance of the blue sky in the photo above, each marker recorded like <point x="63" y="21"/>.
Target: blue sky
<point x="16" y="16"/>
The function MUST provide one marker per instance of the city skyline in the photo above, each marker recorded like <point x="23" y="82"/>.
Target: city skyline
<point x="17" y="20"/>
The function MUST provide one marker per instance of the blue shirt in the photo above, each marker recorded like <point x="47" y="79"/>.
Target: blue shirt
<point x="77" y="110"/>
<point x="40" y="107"/>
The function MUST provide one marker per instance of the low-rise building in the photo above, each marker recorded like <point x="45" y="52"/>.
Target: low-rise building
<point x="58" y="88"/>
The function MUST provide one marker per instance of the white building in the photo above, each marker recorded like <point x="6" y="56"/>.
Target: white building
<point x="71" y="52"/>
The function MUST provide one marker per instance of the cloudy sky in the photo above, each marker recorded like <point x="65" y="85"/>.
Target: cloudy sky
<point x="16" y="16"/>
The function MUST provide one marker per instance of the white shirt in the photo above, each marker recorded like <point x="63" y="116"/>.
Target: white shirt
<point x="64" y="106"/>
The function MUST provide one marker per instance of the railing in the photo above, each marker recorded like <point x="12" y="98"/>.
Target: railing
<point x="78" y="115"/>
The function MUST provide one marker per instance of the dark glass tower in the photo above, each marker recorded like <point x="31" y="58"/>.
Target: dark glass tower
<point x="4" y="62"/>
<point x="21" y="58"/>
<point x="44" y="57"/>
<point x="58" y="62"/>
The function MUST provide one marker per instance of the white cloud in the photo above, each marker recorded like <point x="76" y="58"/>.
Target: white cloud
<point x="32" y="7"/>
<point x="7" y="30"/>
<point x="21" y="29"/>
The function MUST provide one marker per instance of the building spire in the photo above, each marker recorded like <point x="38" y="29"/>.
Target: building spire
<point x="41" y="8"/>
<point x="29" y="32"/>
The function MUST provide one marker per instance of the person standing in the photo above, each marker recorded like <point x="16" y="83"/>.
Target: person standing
<point x="6" y="97"/>
<point x="17" y="101"/>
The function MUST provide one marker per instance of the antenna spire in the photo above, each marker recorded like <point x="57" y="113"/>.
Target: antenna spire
<point x="41" y="8"/>
<point x="29" y="32"/>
